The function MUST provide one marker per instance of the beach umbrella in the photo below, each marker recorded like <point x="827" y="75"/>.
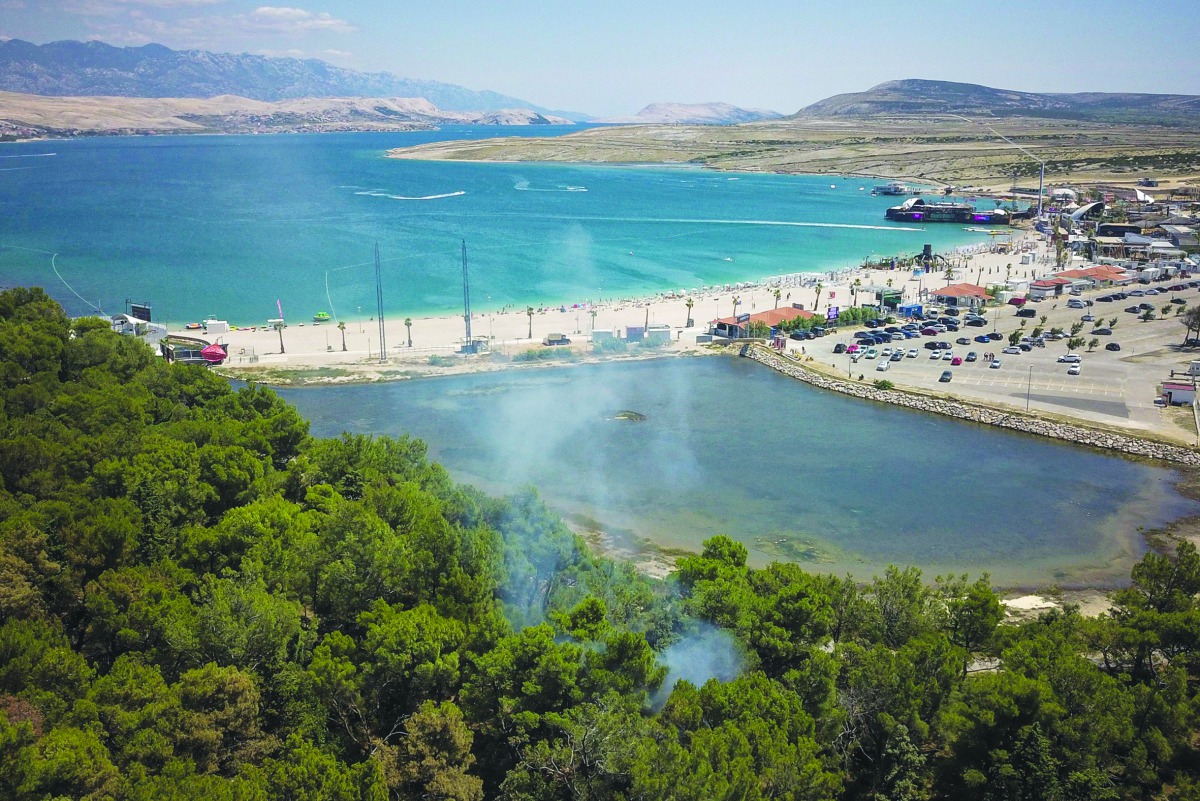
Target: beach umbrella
<point x="214" y="354"/>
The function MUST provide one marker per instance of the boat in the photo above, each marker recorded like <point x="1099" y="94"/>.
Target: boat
<point x="891" y="188"/>
<point x="193" y="326"/>
<point x="321" y="317"/>
<point x="917" y="210"/>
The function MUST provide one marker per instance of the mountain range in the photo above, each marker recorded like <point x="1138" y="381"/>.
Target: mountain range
<point x="69" y="68"/>
<point x="913" y="96"/>
<point x="695" y="114"/>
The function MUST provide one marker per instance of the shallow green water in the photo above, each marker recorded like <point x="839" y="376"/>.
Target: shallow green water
<point x="729" y="446"/>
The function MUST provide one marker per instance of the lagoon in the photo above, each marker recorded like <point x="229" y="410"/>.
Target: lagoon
<point x="795" y="473"/>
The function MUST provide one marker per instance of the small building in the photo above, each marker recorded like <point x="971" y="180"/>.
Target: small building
<point x="738" y="327"/>
<point x="603" y="334"/>
<point x="216" y="327"/>
<point x="960" y="295"/>
<point x="1179" y="393"/>
<point x="658" y="333"/>
<point x="1048" y="287"/>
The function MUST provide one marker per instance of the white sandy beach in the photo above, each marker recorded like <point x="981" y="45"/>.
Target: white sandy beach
<point x="308" y="346"/>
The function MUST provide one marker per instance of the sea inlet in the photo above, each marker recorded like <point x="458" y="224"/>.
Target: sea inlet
<point x="720" y="445"/>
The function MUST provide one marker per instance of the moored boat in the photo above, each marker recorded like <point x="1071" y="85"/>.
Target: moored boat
<point x="321" y="317"/>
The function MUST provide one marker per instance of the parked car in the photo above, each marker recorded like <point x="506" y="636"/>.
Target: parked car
<point x="1074" y="369"/>
<point x="1088" y="318"/>
<point x="950" y="310"/>
<point x="839" y="347"/>
<point x="1105" y="331"/>
<point x="946" y="377"/>
<point x="984" y="338"/>
<point x="1180" y="301"/>
<point x="930" y="332"/>
<point x="1112" y="346"/>
<point x="994" y="365"/>
<point x="995" y="336"/>
<point x="897" y="355"/>
<point x="1146" y="306"/>
<point x="1070" y="358"/>
<point x="1027" y="312"/>
<point x="1075" y="303"/>
<point x="883" y="365"/>
<point x="872" y="353"/>
<point x="962" y="341"/>
<point x="1025" y="346"/>
<point x="977" y="322"/>
<point x="956" y="361"/>
<point x="932" y="345"/>
<point x="1011" y="349"/>
<point x="912" y="353"/>
<point x="1133" y="310"/>
<point x="1106" y="299"/>
<point x="937" y="354"/>
<point x="1177" y="287"/>
<point x="1016" y="301"/>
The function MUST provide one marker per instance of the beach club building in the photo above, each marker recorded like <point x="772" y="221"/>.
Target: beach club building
<point x="737" y="327"/>
<point x="960" y="295"/>
<point x="1049" y="287"/>
<point x="1101" y="275"/>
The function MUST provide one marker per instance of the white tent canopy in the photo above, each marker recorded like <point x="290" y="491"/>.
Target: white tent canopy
<point x="1063" y="193"/>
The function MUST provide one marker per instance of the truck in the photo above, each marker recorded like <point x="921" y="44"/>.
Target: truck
<point x="555" y="339"/>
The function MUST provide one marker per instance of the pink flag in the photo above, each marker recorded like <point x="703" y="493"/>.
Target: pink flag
<point x="280" y="307"/>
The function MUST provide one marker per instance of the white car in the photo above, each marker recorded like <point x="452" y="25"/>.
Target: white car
<point x="1071" y="358"/>
<point x="885" y="352"/>
<point x="1074" y="369"/>
<point x="912" y="353"/>
<point x="1073" y="303"/>
<point x="935" y="355"/>
<point x="947" y="355"/>
<point x="1011" y="350"/>
<point x="995" y="365"/>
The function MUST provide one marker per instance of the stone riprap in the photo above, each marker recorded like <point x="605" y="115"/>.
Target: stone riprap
<point x="961" y="410"/>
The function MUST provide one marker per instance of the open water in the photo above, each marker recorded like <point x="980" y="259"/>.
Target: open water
<point x="226" y="226"/>
<point x="729" y="447"/>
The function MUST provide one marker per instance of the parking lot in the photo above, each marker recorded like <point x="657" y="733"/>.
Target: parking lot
<point x="1120" y="388"/>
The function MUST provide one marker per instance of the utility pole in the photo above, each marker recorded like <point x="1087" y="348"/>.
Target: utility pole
<point x="469" y="347"/>
<point x="379" y="305"/>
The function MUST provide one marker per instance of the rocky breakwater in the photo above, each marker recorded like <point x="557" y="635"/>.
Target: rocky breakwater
<point x="1081" y="435"/>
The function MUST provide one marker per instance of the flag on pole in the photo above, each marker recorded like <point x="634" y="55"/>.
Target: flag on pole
<point x="279" y="306"/>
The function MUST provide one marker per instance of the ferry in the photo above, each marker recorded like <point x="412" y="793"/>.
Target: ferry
<point x="892" y="188"/>
<point x="918" y="211"/>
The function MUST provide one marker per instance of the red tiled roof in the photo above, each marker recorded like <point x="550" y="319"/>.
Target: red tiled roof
<point x="772" y="317"/>
<point x="1051" y="282"/>
<point x="960" y="291"/>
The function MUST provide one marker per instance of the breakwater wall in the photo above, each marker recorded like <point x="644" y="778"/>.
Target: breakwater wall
<point x="1080" y="435"/>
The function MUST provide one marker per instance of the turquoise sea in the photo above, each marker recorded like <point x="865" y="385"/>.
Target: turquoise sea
<point x="228" y="225"/>
<point x="730" y="447"/>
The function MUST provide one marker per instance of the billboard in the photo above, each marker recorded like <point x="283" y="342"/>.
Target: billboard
<point x="140" y="311"/>
<point x="832" y="313"/>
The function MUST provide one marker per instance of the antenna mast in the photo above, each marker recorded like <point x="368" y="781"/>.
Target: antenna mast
<point x="379" y="304"/>
<point x="470" y="344"/>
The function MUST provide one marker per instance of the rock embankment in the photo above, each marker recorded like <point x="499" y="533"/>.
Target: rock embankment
<point x="961" y="410"/>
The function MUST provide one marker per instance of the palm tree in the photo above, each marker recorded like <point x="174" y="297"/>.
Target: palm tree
<point x="342" y="328"/>
<point x="736" y="302"/>
<point x="854" y="290"/>
<point x="408" y="325"/>
<point x="690" y="303"/>
<point x="777" y="293"/>
<point x="593" y="312"/>
<point x="529" y="311"/>
<point x="817" y="303"/>
<point x="279" y="328"/>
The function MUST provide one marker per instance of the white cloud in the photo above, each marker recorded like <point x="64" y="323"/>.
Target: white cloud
<point x="337" y="54"/>
<point x="282" y="19"/>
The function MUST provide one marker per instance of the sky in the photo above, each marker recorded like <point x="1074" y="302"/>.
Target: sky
<point x="614" y="57"/>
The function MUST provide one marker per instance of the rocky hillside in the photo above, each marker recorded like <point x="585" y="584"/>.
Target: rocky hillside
<point x="695" y="114"/>
<point x="68" y="68"/>
<point x="27" y="116"/>
<point x="912" y="96"/>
